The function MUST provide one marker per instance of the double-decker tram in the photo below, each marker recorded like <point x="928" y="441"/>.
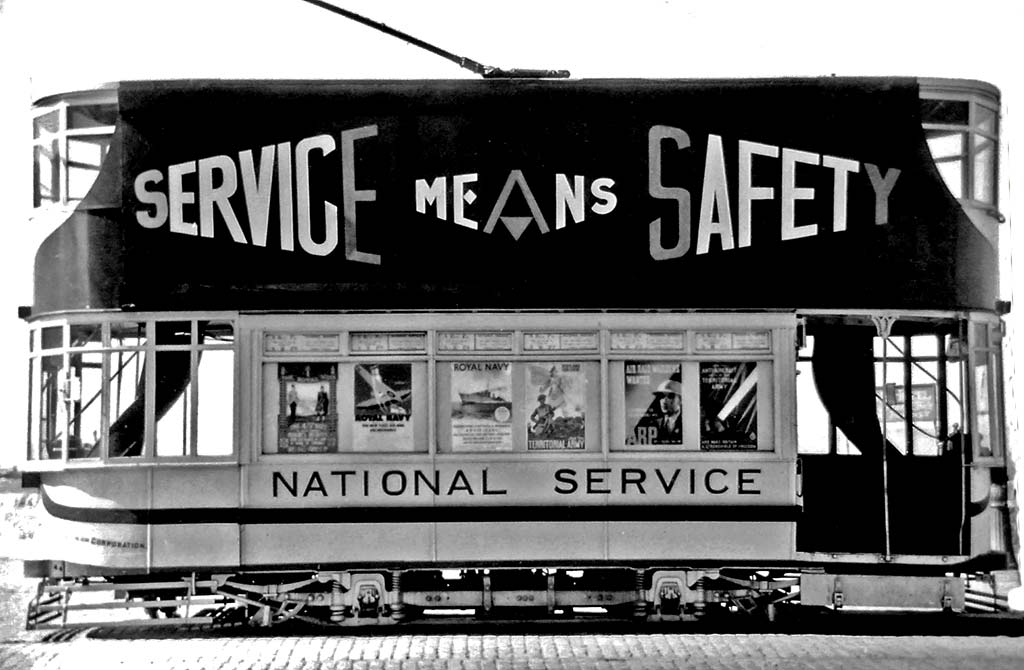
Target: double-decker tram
<point x="363" y="351"/>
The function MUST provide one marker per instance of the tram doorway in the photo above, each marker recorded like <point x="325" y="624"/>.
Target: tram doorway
<point x="882" y="452"/>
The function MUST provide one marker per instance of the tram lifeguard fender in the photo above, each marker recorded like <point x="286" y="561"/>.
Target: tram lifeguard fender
<point x="519" y="194"/>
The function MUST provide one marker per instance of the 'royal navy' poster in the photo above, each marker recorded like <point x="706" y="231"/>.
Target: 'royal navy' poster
<point x="382" y="397"/>
<point x="481" y="400"/>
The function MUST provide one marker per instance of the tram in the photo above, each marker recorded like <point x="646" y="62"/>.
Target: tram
<point x="360" y="352"/>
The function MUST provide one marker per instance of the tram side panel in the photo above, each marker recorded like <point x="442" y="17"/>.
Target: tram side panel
<point x="497" y="511"/>
<point x="139" y="518"/>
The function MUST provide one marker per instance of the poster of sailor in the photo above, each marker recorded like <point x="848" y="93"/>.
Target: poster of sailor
<point x="654" y="403"/>
<point x="308" y="417"/>
<point x="556" y="401"/>
<point x="382" y="399"/>
<point x="481" y="406"/>
<point x="728" y="406"/>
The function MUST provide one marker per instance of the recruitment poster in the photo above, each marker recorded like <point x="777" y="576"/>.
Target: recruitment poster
<point x="728" y="405"/>
<point x="308" y="416"/>
<point x="556" y="401"/>
<point x="382" y="395"/>
<point x="653" y="403"/>
<point x="481" y="400"/>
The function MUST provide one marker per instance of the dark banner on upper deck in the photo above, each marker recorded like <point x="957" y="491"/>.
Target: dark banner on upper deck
<point x="521" y="194"/>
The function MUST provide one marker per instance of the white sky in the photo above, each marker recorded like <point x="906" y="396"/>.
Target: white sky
<point x="62" y="44"/>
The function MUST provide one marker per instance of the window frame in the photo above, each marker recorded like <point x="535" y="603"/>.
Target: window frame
<point x="773" y="360"/>
<point x="979" y="98"/>
<point x="107" y="348"/>
<point x="62" y="105"/>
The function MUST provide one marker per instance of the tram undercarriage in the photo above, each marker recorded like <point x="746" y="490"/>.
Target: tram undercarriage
<point x="380" y="598"/>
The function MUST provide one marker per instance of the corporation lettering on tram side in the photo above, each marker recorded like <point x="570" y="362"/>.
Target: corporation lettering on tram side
<point x="652" y="481"/>
<point x="163" y="195"/>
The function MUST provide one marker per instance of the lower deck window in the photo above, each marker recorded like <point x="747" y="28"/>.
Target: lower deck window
<point x="147" y="388"/>
<point x="691" y="405"/>
<point x="533" y="406"/>
<point x="316" y="407"/>
<point x="857" y="390"/>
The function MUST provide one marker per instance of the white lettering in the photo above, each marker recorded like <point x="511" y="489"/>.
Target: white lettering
<point x="179" y="197"/>
<point x="211" y="196"/>
<point x="841" y="169"/>
<point x="257" y="192"/>
<point x="284" y="193"/>
<point x="568" y="197"/>
<point x="747" y="192"/>
<point x="461" y="197"/>
<point x="682" y="197"/>
<point x="435" y="193"/>
<point x="883" y="187"/>
<point x="324" y="143"/>
<point x="602" y="190"/>
<point x="790" y="194"/>
<point x="351" y="195"/>
<point x="714" y="196"/>
<point x="147" y="197"/>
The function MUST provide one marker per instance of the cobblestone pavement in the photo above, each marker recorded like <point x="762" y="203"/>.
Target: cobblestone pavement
<point x="570" y="651"/>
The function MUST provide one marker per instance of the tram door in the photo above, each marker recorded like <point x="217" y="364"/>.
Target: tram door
<point x="885" y="437"/>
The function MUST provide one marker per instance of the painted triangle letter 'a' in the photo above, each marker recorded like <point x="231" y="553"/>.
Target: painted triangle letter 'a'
<point x="516" y="225"/>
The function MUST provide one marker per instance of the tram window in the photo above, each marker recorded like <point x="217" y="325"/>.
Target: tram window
<point x="945" y="111"/>
<point x="173" y="422"/>
<point x="728" y="405"/>
<point x="35" y="409"/>
<point x="70" y="143"/>
<point x="558" y="398"/>
<point x="193" y="395"/>
<point x="653" y="404"/>
<point x="963" y="135"/>
<point x="987" y="370"/>
<point x="86" y="336"/>
<point x="53" y="337"/>
<point x="386" y="406"/>
<point x="46" y="168"/>
<point x="215" y="402"/>
<point x="46" y="162"/>
<point x="85" y="155"/>
<point x="52" y="416"/>
<point x="984" y="169"/>
<point x="88" y="391"/>
<point x="301" y="407"/>
<point x="494" y="405"/>
<point x="91" y="116"/>
<point x="85" y="405"/>
<point x="811" y="417"/>
<point x="913" y="422"/>
<point x="919" y="422"/>
<point x="126" y="383"/>
<point x="949" y="149"/>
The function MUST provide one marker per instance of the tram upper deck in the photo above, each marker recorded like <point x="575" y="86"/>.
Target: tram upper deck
<point x="826" y="193"/>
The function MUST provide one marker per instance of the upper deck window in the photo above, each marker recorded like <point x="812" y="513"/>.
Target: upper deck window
<point x="70" y="140"/>
<point x="962" y="128"/>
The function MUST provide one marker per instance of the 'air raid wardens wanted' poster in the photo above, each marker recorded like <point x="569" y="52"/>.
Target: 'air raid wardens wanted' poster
<point x="308" y="417"/>
<point x="383" y="407"/>
<point x="556" y="400"/>
<point x="482" y="406"/>
<point x="654" y="403"/>
<point x="728" y="406"/>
